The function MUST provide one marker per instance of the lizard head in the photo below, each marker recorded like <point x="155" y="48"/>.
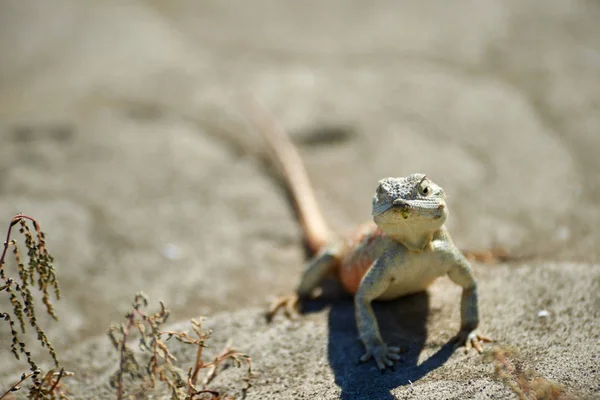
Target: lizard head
<point x="411" y="205"/>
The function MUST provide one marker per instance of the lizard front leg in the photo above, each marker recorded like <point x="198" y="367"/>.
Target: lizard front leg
<point x="461" y="274"/>
<point x="374" y="284"/>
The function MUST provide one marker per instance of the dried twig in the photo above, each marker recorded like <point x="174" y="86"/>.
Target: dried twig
<point x="38" y="272"/>
<point x="161" y="363"/>
<point x="51" y="386"/>
<point x="525" y="383"/>
<point x="17" y="385"/>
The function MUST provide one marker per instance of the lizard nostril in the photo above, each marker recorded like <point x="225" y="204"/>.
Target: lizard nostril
<point x="401" y="203"/>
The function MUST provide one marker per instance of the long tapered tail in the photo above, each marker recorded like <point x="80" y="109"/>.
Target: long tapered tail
<point x="316" y="231"/>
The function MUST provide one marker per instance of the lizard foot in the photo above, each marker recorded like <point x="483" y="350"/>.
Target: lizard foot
<point x="288" y="303"/>
<point x="383" y="355"/>
<point x="470" y="339"/>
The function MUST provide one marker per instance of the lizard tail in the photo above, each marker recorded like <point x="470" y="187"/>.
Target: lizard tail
<point x="316" y="232"/>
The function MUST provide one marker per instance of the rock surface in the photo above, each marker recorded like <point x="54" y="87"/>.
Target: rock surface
<point x="123" y="133"/>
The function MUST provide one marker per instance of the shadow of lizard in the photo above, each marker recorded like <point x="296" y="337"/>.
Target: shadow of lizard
<point x="403" y="323"/>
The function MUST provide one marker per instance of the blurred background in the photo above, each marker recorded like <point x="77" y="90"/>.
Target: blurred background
<point x="122" y="130"/>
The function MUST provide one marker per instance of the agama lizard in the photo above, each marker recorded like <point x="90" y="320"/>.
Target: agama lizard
<point x="402" y="252"/>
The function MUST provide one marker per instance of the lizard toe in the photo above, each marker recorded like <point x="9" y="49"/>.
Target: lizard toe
<point x="366" y="357"/>
<point x="288" y="303"/>
<point x="470" y="339"/>
<point x="384" y="356"/>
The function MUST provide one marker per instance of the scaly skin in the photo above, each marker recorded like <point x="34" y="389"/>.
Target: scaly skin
<point x="403" y="252"/>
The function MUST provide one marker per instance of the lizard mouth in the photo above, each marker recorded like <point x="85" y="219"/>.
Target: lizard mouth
<point x="424" y="209"/>
<point x="440" y="211"/>
<point x="401" y="204"/>
<point x="433" y="211"/>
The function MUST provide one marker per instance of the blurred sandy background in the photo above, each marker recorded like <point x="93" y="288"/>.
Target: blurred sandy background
<point x="121" y="130"/>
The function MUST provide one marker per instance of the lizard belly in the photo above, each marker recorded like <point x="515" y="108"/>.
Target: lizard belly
<point x="414" y="275"/>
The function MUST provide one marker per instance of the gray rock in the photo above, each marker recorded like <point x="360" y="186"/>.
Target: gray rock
<point x="122" y="132"/>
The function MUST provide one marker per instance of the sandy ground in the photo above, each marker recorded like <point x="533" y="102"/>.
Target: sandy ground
<point x="122" y="131"/>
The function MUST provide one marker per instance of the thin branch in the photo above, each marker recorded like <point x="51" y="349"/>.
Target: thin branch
<point x="15" y="220"/>
<point x="16" y="387"/>
<point x="60" y="375"/>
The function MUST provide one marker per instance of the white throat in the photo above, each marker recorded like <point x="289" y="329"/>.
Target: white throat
<point x="415" y="237"/>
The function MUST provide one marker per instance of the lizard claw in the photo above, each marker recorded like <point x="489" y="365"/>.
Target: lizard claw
<point x="383" y="355"/>
<point x="471" y="339"/>
<point x="288" y="303"/>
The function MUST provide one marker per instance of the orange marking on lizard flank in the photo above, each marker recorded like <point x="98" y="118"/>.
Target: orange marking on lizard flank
<point x="359" y="257"/>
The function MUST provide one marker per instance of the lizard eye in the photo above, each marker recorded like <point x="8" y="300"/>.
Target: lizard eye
<point x="424" y="189"/>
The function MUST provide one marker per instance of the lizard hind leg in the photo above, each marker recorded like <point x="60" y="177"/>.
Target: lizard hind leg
<point x="322" y="265"/>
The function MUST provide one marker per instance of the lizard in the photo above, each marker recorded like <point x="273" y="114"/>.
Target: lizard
<point x="402" y="251"/>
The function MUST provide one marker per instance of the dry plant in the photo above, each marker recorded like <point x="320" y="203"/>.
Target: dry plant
<point x="39" y="273"/>
<point x="49" y="387"/>
<point x="160" y="365"/>
<point x="525" y="383"/>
